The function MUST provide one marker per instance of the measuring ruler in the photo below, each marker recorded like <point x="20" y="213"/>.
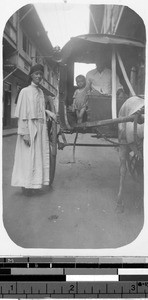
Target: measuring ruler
<point x="69" y="277"/>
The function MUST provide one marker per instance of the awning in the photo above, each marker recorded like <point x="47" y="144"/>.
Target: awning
<point x="111" y="39"/>
<point x="84" y="46"/>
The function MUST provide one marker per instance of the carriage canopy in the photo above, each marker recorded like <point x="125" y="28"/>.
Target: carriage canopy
<point x="84" y="46"/>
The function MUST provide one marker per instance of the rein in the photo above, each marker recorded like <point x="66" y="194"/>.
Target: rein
<point x="111" y="141"/>
<point x="134" y="145"/>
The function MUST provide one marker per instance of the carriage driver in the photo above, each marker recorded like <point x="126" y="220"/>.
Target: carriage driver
<point x="100" y="80"/>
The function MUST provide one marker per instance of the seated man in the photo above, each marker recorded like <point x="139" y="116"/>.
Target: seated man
<point x="100" y="80"/>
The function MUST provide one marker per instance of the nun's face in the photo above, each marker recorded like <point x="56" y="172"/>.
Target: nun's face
<point x="37" y="77"/>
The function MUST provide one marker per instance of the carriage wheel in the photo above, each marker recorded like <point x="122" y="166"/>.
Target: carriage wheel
<point x="52" y="134"/>
<point x="135" y="166"/>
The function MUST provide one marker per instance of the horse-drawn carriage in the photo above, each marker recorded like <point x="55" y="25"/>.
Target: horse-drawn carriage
<point x="104" y="113"/>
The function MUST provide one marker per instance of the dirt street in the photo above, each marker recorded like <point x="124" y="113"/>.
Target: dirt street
<point x="79" y="210"/>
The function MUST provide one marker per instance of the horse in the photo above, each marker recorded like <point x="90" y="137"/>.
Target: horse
<point x="130" y="138"/>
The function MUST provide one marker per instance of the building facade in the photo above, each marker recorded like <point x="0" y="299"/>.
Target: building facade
<point x="122" y="21"/>
<point x="25" y="42"/>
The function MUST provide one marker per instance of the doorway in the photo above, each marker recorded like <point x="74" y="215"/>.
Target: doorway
<point x="7" y="109"/>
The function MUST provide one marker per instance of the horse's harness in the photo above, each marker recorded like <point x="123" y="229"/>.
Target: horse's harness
<point x="136" y="146"/>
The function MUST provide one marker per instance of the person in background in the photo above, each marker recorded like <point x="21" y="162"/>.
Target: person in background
<point x="31" y="162"/>
<point x="80" y="98"/>
<point x="100" y="80"/>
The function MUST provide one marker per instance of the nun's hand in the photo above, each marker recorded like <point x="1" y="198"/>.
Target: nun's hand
<point x="27" y="140"/>
<point x="51" y="115"/>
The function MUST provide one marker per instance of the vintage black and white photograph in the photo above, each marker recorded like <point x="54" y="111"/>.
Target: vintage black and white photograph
<point x="73" y="125"/>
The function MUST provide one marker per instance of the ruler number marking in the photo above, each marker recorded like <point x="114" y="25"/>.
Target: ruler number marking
<point x="71" y="288"/>
<point x="133" y="288"/>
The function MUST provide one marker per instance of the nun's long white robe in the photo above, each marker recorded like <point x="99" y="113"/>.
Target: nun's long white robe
<point x="31" y="164"/>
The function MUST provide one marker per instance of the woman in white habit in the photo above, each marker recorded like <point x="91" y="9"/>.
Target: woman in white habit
<point x="31" y="162"/>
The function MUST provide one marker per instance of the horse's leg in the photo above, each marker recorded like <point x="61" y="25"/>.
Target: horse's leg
<point x="123" y="168"/>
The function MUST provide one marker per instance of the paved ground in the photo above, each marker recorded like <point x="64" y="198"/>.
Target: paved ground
<point x="79" y="211"/>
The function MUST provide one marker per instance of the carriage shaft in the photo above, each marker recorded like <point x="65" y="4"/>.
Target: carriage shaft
<point x="106" y="122"/>
<point x="92" y="145"/>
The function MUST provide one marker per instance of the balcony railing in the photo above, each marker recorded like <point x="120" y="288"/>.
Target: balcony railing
<point x="11" y="32"/>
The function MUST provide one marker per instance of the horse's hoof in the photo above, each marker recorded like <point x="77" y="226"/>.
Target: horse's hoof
<point x="119" y="208"/>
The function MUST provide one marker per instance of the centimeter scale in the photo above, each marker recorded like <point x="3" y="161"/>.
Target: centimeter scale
<point x="69" y="277"/>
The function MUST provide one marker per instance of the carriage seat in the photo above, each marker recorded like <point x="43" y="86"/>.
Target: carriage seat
<point x="100" y="107"/>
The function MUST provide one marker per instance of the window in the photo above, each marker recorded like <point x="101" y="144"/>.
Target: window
<point x="30" y="49"/>
<point x="25" y="44"/>
<point x="38" y="58"/>
<point x="13" y="20"/>
<point x="81" y="68"/>
<point x="27" y="47"/>
<point x="48" y="76"/>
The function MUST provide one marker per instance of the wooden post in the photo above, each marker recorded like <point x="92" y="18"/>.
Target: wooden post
<point x="133" y="78"/>
<point x="114" y="100"/>
<point x="125" y="76"/>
